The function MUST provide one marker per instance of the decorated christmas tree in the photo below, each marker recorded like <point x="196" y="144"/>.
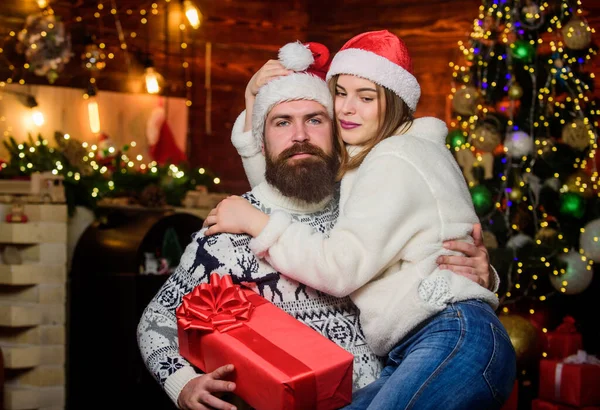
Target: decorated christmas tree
<point x="523" y="127"/>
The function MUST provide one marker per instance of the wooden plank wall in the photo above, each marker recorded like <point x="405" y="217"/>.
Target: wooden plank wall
<point x="243" y="34"/>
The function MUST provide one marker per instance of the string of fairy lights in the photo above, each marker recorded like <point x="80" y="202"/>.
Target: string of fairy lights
<point x="497" y="23"/>
<point x="96" y="56"/>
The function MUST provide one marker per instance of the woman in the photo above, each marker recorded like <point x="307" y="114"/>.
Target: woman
<point x="402" y="196"/>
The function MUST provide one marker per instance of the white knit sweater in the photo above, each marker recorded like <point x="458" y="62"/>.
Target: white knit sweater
<point x="396" y="210"/>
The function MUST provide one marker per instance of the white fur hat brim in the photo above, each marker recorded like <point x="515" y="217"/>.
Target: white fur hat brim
<point x="378" y="69"/>
<point x="292" y="87"/>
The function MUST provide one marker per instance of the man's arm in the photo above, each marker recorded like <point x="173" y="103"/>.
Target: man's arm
<point x="157" y="333"/>
<point x="475" y="265"/>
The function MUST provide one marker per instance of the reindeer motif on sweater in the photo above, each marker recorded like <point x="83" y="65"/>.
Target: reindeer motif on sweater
<point x="335" y="318"/>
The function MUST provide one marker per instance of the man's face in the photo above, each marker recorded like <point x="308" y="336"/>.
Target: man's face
<point x="299" y="150"/>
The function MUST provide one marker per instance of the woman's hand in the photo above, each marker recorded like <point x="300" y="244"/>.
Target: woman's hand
<point x="475" y="265"/>
<point x="235" y="215"/>
<point x="269" y="71"/>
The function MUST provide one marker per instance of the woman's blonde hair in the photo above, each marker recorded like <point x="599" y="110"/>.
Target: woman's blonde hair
<point x="396" y="118"/>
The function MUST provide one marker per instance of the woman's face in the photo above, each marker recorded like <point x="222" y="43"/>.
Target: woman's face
<point x="357" y="105"/>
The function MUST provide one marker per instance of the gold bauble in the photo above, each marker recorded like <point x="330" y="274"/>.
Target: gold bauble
<point x="576" y="134"/>
<point x="486" y="137"/>
<point x="524" y="338"/>
<point x="577" y="34"/>
<point x="549" y="238"/>
<point x="465" y="100"/>
<point x="489" y="240"/>
<point x="515" y="194"/>
<point x="515" y="92"/>
<point x="580" y="183"/>
<point x="544" y="146"/>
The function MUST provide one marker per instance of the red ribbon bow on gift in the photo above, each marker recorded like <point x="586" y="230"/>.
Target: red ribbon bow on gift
<point x="567" y="326"/>
<point x="218" y="305"/>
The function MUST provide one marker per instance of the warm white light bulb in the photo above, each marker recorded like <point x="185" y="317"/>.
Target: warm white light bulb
<point x="192" y="13"/>
<point x="94" y="115"/>
<point x="42" y="3"/>
<point x="37" y="117"/>
<point x="152" y="78"/>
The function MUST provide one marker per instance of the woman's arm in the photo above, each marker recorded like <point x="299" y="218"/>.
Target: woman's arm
<point x="365" y="240"/>
<point x="249" y="150"/>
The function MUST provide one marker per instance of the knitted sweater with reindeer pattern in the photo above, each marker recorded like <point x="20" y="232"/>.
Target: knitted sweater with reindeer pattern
<point x="335" y="318"/>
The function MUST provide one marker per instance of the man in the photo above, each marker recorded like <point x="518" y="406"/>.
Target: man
<point x="303" y="164"/>
<point x="292" y="118"/>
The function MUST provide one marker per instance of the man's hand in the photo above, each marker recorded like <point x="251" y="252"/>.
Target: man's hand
<point x="475" y="265"/>
<point x="198" y="393"/>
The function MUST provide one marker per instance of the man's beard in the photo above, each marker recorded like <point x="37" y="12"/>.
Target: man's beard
<point x="309" y="179"/>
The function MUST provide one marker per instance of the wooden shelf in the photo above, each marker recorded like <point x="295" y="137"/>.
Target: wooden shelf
<point x="33" y="232"/>
<point x="31" y="274"/>
<point x="19" y="316"/>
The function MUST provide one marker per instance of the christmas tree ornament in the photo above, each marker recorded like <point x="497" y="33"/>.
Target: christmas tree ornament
<point x="482" y="199"/>
<point x="515" y="91"/>
<point x="455" y="139"/>
<point x="489" y="240"/>
<point x="576" y="134"/>
<point x="93" y="58"/>
<point x="530" y="13"/>
<point x="592" y="162"/>
<point x="544" y="146"/>
<point x="577" y="276"/>
<point x="522" y="50"/>
<point x="106" y="150"/>
<point x="572" y="204"/>
<point x="46" y="45"/>
<point x="465" y="100"/>
<point x="589" y="240"/>
<point x="508" y="106"/>
<point x="74" y="152"/>
<point x="577" y="34"/>
<point x="16" y="214"/>
<point x="486" y="137"/>
<point x="152" y="196"/>
<point x="515" y="194"/>
<point x="580" y="183"/>
<point x="524" y="337"/>
<point x="519" y="240"/>
<point x="518" y="144"/>
<point x="521" y="218"/>
<point x="549" y="238"/>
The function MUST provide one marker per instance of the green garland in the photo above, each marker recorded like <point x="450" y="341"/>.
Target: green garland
<point x="87" y="178"/>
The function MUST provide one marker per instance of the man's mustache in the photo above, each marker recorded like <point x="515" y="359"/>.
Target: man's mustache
<point x="303" y="148"/>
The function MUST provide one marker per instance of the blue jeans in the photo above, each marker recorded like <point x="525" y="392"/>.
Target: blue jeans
<point x="461" y="358"/>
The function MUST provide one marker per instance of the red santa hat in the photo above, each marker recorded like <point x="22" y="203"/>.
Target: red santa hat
<point x="310" y="62"/>
<point x="380" y="57"/>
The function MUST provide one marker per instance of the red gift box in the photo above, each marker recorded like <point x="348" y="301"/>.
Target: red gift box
<point x="280" y="363"/>
<point x="539" y="404"/>
<point x="572" y="384"/>
<point x="564" y="340"/>
<point x="513" y="400"/>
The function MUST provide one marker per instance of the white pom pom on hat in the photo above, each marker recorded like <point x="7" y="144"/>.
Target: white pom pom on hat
<point x="296" y="56"/>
